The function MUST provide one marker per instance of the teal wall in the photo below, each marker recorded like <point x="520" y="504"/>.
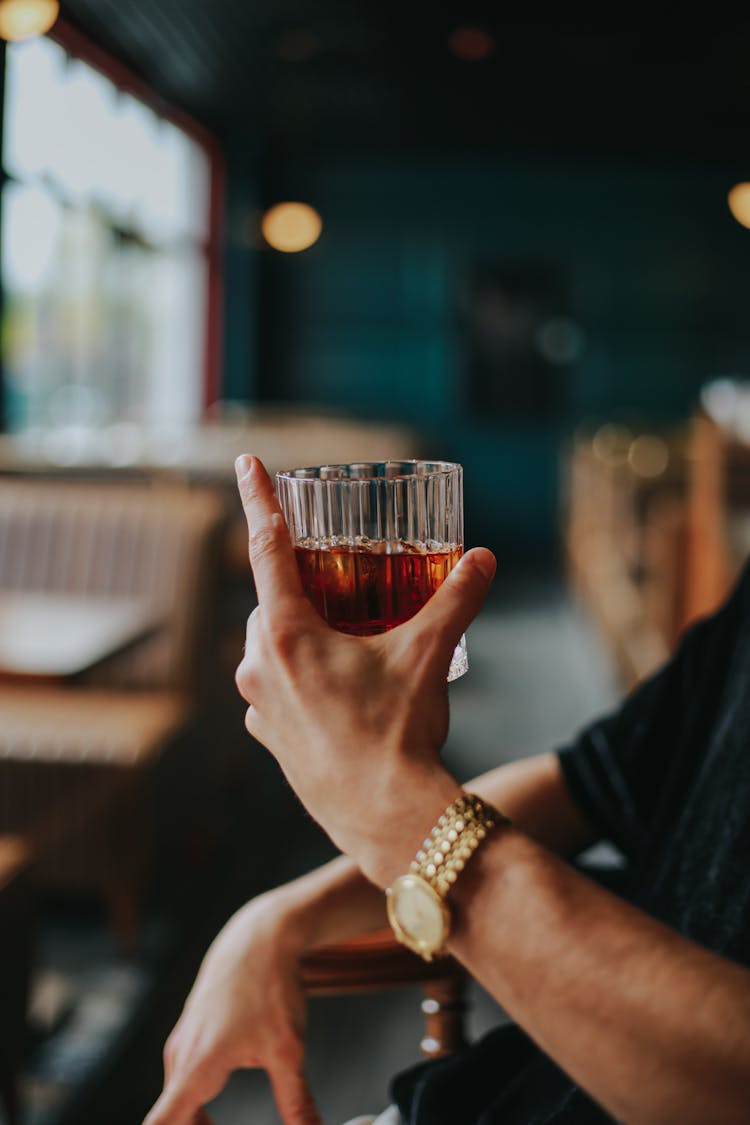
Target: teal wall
<point x="656" y="271"/>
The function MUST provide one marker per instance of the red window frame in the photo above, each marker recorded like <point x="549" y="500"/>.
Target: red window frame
<point x="79" y="46"/>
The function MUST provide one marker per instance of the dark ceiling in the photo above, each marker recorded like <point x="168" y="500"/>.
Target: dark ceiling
<point x="345" y="74"/>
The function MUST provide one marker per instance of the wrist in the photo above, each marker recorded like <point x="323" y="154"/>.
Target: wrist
<point x="499" y="863"/>
<point x="402" y="820"/>
<point x="417" y="906"/>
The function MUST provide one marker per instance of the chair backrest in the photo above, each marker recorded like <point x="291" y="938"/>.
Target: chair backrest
<point x="159" y="542"/>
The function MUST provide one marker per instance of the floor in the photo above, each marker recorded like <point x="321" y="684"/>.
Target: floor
<point x="537" y="673"/>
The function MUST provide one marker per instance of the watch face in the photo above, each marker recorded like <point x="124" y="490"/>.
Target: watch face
<point x="418" y="915"/>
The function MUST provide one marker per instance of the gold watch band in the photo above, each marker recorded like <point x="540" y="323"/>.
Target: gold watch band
<point x="453" y="841"/>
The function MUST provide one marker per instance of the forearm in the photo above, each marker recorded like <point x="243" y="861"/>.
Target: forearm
<point x="654" y="1027"/>
<point x="332" y="903"/>
<point x="532" y="792"/>
<point x="335" y="902"/>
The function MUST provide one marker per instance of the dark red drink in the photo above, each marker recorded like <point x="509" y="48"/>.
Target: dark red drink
<point x="369" y="589"/>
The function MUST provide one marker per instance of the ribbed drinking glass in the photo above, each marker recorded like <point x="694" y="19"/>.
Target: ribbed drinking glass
<point x="375" y="539"/>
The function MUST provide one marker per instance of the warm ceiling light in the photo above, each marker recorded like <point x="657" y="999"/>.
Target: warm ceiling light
<point x="648" y="456"/>
<point x="291" y="227"/>
<point x="471" y="44"/>
<point x="739" y="203"/>
<point x="23" y="19"/>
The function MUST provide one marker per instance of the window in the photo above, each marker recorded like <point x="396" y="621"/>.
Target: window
<point x="105" y="251"/>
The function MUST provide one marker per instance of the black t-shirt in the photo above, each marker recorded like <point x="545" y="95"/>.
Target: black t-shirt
<point x="666" y="777"/>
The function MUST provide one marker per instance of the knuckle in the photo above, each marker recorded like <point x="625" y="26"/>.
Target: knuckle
<point x="264" y="541"/>
<point x="287" y="1047"/>
<point x="170" y="1048"/>
<point x="244" y="678"/>
<point x="250" y="716"/>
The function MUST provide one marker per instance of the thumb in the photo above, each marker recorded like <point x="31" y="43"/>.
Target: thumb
<point x="455" y="603"/>
<point x="293" y="1097"/>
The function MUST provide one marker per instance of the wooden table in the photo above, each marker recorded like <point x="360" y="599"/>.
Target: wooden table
<point x="56" y="637"/>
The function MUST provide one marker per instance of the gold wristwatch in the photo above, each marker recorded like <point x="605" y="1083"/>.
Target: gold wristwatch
<point x="416" y="902"/>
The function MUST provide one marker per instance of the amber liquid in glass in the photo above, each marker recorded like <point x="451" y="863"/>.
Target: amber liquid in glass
<point x="366" y="589"/>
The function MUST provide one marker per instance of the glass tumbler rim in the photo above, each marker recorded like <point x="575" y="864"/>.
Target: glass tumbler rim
<point x="311" y="474"/>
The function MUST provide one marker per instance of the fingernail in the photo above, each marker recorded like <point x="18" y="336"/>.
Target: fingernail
<point x="242" y="466"/>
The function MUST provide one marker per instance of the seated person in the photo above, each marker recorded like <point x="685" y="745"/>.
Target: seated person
<point x="635" y="1011"/>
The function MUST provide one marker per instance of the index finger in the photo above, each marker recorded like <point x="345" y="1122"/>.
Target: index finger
<point x="275" y="570"/>
<point x="177" y="1107"/>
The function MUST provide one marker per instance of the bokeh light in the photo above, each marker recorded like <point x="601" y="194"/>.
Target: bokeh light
<point x="291" y="227"/>
<point x="611" y="444"/>
<point x="23" y="19"/>
<point x="648" y="456"/>
<point x="739" y="203"/>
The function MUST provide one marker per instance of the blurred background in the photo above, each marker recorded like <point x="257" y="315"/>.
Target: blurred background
<point x="322" y="233"/>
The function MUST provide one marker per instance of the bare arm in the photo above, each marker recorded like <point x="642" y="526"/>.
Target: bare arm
<point x="246" y="1007"/>
<point x="336" y="901"/>
<point x="656" y="1028"/>
<point x="653" y="1026"/>
<point x="533" y="793"/>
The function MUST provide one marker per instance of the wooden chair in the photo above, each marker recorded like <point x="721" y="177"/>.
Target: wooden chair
<point x="376" y="961"/>
<point x="650" y="554"/>
<point x="106" y="735"/>
<point x="612" y="520"/>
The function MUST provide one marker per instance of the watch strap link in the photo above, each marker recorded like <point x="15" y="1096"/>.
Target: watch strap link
<point x="454" y="839"/>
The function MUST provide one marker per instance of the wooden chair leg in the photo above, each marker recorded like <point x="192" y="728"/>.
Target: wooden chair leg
<point x="443" y="1007"/>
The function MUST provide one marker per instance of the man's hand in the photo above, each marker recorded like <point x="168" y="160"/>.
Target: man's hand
<point x="356" y="723"/>
<point x="246" y="1009"/>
